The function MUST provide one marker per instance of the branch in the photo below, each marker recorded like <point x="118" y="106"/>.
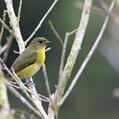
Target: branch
<point x="4" y="103"/>
<point x="7" y="27"/>
<point x="37" y="102"/>
<point x="67" y="35"/>
<point x="55" y="32"/>
<point x="15" y="25"/>
<point x="2" y="28"/>
<point x="88" y="57"/>
<point x="8" y="43"/>
<point x="41" y="21"/>
<point x="19" y="10"/>
<point x="3" y="48"/>
<point x="74" y="51"/>
<point x="21" y="98"/>
<point x="46" y="79"/>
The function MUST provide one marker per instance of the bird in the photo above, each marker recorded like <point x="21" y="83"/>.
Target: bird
<point x="32" y="58"/>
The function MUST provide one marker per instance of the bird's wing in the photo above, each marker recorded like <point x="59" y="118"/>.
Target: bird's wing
<point x="24" y="60"/>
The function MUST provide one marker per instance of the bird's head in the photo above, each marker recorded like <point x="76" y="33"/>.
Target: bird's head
<point x="40" y="42"/>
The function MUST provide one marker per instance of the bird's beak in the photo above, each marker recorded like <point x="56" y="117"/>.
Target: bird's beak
<point x="47" y="42"/>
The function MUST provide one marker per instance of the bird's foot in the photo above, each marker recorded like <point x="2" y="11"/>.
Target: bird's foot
<point x="30" y="81"/>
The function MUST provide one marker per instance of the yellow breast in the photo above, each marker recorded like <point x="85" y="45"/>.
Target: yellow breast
<point x="40" y="56"/>
<point x="33" y="68"/>
<point x="28" y="71"/>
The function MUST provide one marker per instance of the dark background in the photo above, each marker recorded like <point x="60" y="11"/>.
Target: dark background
<point x="92" y="97"/>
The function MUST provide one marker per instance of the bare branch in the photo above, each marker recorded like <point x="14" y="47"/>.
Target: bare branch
<point x="21" y="98"/>
<point x="64" y="51"/>
<point x="23" y="87"/>
<point x="4" y="103"/>
<point x="9" y="43"/>
<point x="51" y="113"/>
<point x="15" y="25"/>
<point x="37" y="102"/>
<point x="2" y="28"/>
<point x="46" y="80"/>
<point x="88" y="57"/>
<point x="7" y="27"/>
<point x="3" y="48"/>
<point x="41" y="21"/>
<point x="55" y="32"/>
<point x="47" y="49"/>
<point x="74" y="50"/>
<point x="19" y="11"/>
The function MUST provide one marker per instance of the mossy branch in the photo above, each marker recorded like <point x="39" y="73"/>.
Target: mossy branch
<point x="74" y="50"/>
<point x="88" y="57"/>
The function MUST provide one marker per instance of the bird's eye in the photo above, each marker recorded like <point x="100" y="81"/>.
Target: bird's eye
<point x="41" y="41"/>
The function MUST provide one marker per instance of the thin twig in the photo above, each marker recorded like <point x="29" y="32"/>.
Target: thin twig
<point x="41" y="21"/>
<point x="19" y="11"/>
<point x="9" y="43"/>
<point x="55" y="32"/>
<point x="46" y="80"/>
<point x="64" y="51"/>
<point x="14" y="85"/>
<point x="16" y="52"/>
<point x="41" y="97"/>
<point x="88" y="57"/>
<point x="3" y="48"/>
<point x="47" y="49"/>
<point x="2" y="28"/>
<point x="7" y="27"/>
<point x="104" y="8"/>
<point x="113" y="17"/>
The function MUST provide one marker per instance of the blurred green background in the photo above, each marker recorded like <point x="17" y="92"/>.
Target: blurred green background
<point x="92" y="98"/>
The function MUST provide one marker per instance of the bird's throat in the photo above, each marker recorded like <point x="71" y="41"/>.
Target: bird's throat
<point x="40" y="56"/>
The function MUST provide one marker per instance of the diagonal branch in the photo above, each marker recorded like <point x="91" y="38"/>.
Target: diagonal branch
<point x="7" y="27"/>
<point x="88" y="57"/>
<point x="74" y="51"/>
<point x="55" y="32"/>
<point x="41" y="21"/>
<point x="2" y="27"/>
<point x="4" y="103"/>
<point x="15" y="25"/>
<point x="67" y="35"/>
<point x="19" y="10"/>
<point x="46" y="79"/>
<point x="37" y="102"/>
<point x="21" y="98"/>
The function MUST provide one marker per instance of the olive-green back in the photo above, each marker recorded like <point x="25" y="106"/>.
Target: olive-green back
<point x="27" y="58"/>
